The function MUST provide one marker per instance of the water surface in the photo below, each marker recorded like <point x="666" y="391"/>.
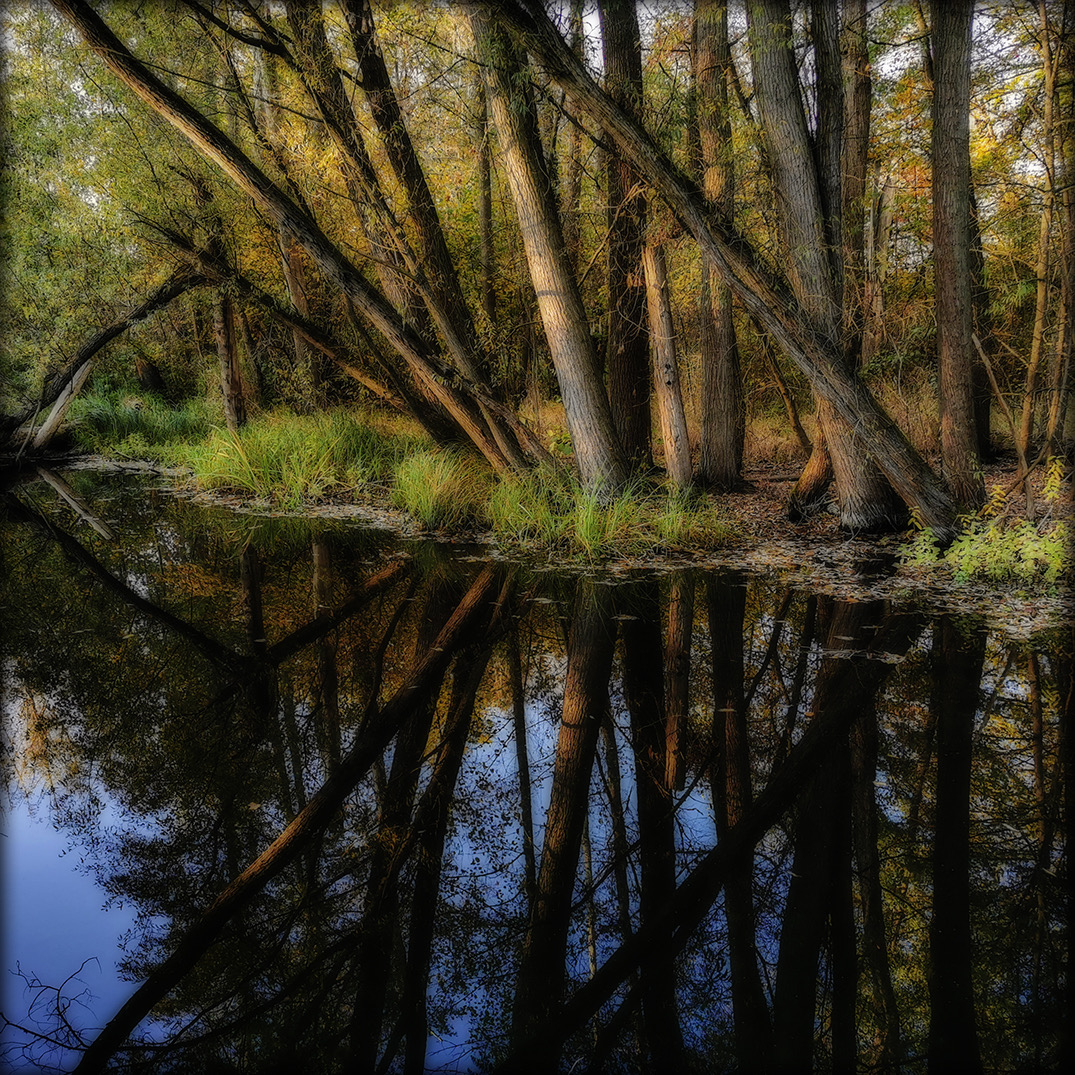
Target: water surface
<point x="298" y="797"/>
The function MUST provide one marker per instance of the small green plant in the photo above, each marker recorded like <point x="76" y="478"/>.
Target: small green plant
<point x="991" y="548"/>
<point x="135" y="426"/>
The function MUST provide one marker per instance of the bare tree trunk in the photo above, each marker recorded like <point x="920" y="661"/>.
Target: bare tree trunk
<point x="677" y="448"/>
<point x="950" y="149"/>
<point x="723" y="410"/>
<point x="231" y="382"/>
<point x="600" y="458"/>
<point x="626" y="359"/>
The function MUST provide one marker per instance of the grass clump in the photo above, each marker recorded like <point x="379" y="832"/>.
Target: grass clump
<point x="549" y="509"/>
<point x="135" y="426"/>
<point x="291" y="458"/>
<point x="442" y="489"/>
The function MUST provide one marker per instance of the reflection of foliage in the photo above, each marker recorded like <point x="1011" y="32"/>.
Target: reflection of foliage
<point x="210" y="750"/>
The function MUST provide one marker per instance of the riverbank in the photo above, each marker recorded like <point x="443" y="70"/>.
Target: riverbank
<point x="760" y="540"/>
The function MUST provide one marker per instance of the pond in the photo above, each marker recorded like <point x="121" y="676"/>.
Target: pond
<point x="295" y="796"/>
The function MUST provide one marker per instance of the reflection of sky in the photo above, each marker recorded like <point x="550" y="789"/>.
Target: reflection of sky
<point x="54" y="923"/>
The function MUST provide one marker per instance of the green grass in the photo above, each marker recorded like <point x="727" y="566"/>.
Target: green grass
<point x="547" y="509"/>
<point x="291" y="459"/>
<point x="442" y="489"/>
<point x="137" y="426"/>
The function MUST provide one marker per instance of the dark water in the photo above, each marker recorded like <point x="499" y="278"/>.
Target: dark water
<point x="298" y="799"/>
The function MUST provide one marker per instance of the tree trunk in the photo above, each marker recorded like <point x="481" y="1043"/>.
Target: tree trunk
<point x="677" y="448"/>
<point x="764" y="295"/>
<point x="626" y="359"/>
<point x="950" y="151"/>
<point x="723" y="409"/>
<point x="600" y="458"/>
<point x="231" y="383"/>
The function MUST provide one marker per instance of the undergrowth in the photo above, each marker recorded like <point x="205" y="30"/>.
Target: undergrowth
<point x="291" y="459"/>
<point x="993" y="547"/>
<point x="135" y="426"/>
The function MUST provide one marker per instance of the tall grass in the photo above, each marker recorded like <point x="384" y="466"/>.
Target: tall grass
<point x="122" y="423"/>
<point x="548" y="509"/>
<point x="291" y="458"/>
<point x="442" y="489"/>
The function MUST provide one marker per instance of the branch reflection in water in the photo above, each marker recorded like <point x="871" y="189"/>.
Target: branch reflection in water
<point x="384" y="808"/>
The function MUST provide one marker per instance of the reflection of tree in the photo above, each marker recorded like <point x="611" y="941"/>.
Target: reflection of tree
<point x="398" y="904"/>
<point x="541" y="968"/>
<point x="732" y="795"/>
<point x="953" y="1035"/>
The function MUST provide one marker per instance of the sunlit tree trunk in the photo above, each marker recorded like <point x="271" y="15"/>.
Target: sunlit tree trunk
<point x="950" y="152"/>
<point x="662" y="338"/>
<point x="598" y="453"/>
<point x="722" y="406"/>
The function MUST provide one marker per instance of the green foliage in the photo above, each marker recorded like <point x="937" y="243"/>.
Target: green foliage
<point x="548" y="509"/>
<point x="442" y="488"/>
<point x="997" y="550"/>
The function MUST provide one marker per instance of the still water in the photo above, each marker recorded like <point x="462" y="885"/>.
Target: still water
<point x="302" y="798"/>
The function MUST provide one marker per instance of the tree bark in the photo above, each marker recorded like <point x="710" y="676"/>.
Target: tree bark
<point x="723" y="408"/>
<point x="677" y="448"/>
<point x="950" y="151"/>
<point x="231" y="382"/>
<point x="626" y="359"/>
<point x="598" y="453"/>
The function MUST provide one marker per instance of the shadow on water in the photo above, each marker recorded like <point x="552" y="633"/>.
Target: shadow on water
<point x="374" y="808"/>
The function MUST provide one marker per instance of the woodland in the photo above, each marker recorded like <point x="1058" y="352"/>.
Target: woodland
<point x="651" y="241"/>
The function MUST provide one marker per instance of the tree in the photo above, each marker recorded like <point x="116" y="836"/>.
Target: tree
<point x="950" y="147"/>
<point x="599" y="453"/>
<point x="722" y="403"/>
<point x="766" y="297"/>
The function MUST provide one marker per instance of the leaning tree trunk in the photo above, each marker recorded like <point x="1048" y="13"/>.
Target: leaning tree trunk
<point x="61" y="388"/>
<point x="600" y="458"/>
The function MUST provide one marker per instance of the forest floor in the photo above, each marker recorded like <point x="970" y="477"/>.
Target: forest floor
<point x="814" y="553"/>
